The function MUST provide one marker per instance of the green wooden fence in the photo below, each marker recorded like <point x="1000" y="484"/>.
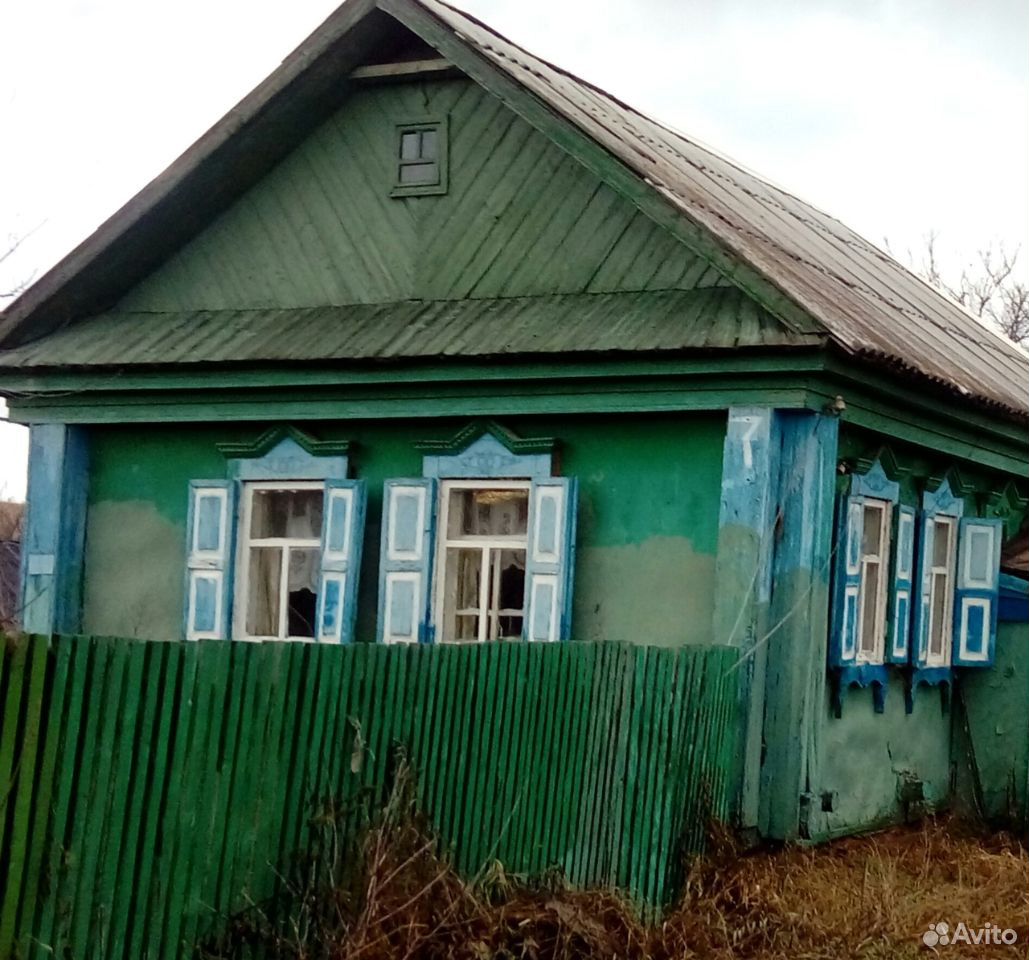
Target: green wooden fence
<point x="148" y="790"/>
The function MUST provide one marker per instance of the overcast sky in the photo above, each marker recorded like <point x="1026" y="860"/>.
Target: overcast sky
<point x="897" y="116"/>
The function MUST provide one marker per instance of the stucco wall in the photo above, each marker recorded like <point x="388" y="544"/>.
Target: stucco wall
<point x="647" y="530"/>
<point x="866" y="757"/>
<point x="992" y="752"/>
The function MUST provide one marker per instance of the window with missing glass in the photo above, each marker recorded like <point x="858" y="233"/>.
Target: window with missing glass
<point x="421" y="158"/>
<point x="280" y="554"/>
<point x="482" y="557"/>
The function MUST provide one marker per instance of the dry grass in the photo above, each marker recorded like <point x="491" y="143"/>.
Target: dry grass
<point x="867" y="897"/>
<point x="860" y="897"/>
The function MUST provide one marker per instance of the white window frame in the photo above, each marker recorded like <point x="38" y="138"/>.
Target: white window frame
<point x="243" y="545"/>
<point x="470" y="542"/>
<point x="878" y="654"/>
<point x="949" y="571"/>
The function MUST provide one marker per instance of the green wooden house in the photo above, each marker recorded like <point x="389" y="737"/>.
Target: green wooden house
<point x="429" y="341"/>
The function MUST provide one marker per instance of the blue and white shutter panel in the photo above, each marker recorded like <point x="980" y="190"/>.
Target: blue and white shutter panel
<point x="405" y="563"/>
<point x="342" y="534"/>
<point x="898" y="632"/>
<point x="977" y="592"/>
<point x="550" y="560"/>
<point x="210" y="525"/>
<point x="843" y="646"/>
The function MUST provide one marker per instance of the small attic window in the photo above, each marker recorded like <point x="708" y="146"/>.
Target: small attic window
<point x="421" y="158"/>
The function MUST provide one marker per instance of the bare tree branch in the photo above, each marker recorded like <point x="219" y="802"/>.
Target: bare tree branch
<point x="988" y="288"/>
<point x="13" y="243"/>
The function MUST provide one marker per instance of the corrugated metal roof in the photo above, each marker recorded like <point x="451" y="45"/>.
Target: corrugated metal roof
<point x="869" y="303"/>
<point x="714" y="318"/>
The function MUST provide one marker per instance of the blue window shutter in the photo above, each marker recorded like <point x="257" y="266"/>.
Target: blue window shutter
<point x="550" y="561"/>
<point x="977" y="585"/>
<point x="898" y="621"/>
<point x="405" y="561"/>
<point x="843" y="644"/>
<point x="342" y="534"/>
<point x="922" y="591"/>
<point x="209" y="550"/>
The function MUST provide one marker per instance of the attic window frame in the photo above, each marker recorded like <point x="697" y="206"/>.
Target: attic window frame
<point x="439" y="126"/>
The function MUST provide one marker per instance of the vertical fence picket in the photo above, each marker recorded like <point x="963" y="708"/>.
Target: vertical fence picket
<point x="542" y="762"/>
<point x="668" y="790"/>
<point x="585" y="662"/>
<point x="142" y="789"/>
<point x="124" y="749"/>
<point x="292" y="803"/>
<point x="587" y="868"/>
<point x="53" y="723"/>
<point x="93" y="789"/>
<point x="16" y="787"/>
<point x="654" y="765"/>
<point x="435" y="760"/>
<point x="16" y="679"/>
<point x="479" y="718"/>
<point x="507" y="789"/>
<point x="173" y="827"/>
<point x="486" y="807"/>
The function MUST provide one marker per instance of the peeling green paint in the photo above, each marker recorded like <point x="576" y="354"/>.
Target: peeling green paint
<point x="866" y="756"/>
<point x="659" y="591"/>
<point x="134" y="567"/>
<point x="993" y="756"/>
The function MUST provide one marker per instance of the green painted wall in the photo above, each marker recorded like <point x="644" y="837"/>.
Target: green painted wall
<point x="979" y="742"/>
<point x="647" y="534"/>
<point x="864" y="757"/>
<point x="521" y="217"/>
<point x="992" y="751"/>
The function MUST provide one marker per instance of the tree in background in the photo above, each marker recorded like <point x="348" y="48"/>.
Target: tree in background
<point x="11" y="518"/>
<point x="6" y="251"/>
<point x="987" y="288"/>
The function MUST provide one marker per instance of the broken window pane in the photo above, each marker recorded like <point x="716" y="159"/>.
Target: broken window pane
<point x="302" y="590"/>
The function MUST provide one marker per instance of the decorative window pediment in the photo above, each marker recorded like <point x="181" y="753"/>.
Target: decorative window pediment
<point x="486" y="449"/>
<point x="287" y="453"/>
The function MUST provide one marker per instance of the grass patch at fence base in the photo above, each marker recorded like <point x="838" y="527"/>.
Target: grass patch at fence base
<point x="870" y="897"/>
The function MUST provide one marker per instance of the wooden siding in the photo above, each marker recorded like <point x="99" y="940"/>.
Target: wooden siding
<point x="521" y="217"/>
<point x="152" y="789"/>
